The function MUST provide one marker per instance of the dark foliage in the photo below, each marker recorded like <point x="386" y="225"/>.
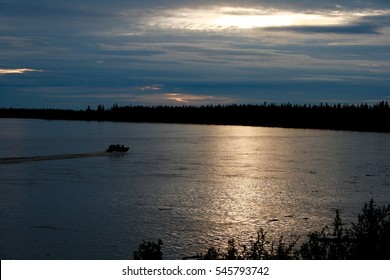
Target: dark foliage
<point x="367" y="239"/>
<point x="324" y="245"/>
<point x="258" y="249"/>
<point x="149" y="251"/>
<point x="371" y="233"/>
<point x="340" y="117"/>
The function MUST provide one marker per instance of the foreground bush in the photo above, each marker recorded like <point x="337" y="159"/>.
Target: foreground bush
<point x="368" y="239"/>
<point x="258" y="249"/>
<point x="149" y="251"/>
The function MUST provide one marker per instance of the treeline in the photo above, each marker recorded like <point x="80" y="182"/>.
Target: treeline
<point x="367" y="239"/>
<point x="361" y="117"/>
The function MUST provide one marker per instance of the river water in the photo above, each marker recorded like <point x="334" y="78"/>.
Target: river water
<point x="193" y="186"/>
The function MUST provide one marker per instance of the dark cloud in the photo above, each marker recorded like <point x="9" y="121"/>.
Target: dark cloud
<point x="96" y="51"/>
<point x="363" y="28"/>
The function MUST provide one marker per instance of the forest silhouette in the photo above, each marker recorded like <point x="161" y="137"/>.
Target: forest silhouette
<point x="361" y="117"/>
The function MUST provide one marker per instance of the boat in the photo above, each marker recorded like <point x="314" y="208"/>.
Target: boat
<point x="117" y="148"/>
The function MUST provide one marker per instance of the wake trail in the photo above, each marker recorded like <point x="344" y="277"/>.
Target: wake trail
<point x="9" y="160"/>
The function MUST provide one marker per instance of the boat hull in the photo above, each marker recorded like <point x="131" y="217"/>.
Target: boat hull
<point x="117" y="148"/>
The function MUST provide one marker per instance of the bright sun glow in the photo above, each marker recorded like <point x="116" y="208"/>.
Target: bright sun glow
<point x="258" y="18"/>
<point x="195" y="99"/>
<point x="245" y="22"/>
<point x="275" y="20"/>
<point x="17" y="71"/>
<point x="225" y="18"/>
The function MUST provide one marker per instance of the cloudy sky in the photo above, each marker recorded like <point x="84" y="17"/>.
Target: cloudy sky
<point x="75" y="53"/>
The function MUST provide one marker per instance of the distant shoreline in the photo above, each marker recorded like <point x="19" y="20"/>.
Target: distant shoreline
<point x="369" y="118"/>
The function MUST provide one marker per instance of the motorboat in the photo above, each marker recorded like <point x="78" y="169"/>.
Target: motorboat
<point x="117" y="148"/>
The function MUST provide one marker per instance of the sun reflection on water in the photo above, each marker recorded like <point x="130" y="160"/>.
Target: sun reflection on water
<point x="254" y="183"/>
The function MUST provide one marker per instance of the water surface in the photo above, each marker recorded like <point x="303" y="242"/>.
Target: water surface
<point x="190" y="185"/>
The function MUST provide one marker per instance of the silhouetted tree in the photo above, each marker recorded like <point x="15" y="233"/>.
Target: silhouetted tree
<point x="149" y="251"/>
<point x="362" y="117"/>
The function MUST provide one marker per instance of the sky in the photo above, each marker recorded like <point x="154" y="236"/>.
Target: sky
<point x="78" y="53"/>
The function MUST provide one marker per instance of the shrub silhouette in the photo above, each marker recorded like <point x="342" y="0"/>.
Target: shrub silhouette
<point x="258" y="249"/>
<point x="371" y="233"/>
<point x="323" y="245"/>
<point x="149" y="251"/>
<point x="368" y="239"/>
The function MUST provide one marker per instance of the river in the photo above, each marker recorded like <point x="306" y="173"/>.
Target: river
<point x="193" y="186"/>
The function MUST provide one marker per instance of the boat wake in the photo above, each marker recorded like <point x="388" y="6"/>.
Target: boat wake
<point x="10" y="160"/>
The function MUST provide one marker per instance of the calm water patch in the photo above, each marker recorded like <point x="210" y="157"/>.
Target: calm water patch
<point x="190" y="185"/>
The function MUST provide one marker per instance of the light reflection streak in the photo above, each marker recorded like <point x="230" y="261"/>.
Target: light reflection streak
<point x="236" y="202"/>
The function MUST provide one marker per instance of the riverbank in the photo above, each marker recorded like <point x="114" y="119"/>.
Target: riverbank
<point x="361" y="117"/>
